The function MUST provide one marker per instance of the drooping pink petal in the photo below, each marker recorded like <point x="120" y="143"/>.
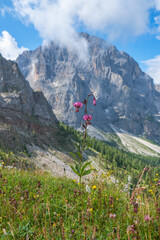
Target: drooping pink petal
<point x="94" y="101"/>
<point x="89" y="117"/>
<point x="78" y="104"/>
<point x="85" y="117"/>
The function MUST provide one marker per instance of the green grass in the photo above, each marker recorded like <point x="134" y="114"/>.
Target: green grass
<point x="35" y="205"/>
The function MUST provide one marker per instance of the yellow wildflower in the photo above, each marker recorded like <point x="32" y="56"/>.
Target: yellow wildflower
<point x="91" y="209"/>
<point x="54" y="224"/>
<point x="94" y="187"/>
<point x="151" y="191"/>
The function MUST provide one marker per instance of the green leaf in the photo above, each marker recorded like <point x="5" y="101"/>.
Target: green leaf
<point x="84" y="166"/>
<point x="79" y="155"/>
<point x="87" y="172"/>
<point x="88" y="145"/>
<point x="74" y="170"/>
<point x="77" y="146"/>
<point x="74" y="156"/>
<point x="78" y="169"/>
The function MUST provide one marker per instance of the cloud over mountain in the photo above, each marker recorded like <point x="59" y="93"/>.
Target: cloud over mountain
<point x="59" y="20"/>
<point x="153" y="68"/>
<point x="8" y="46"/>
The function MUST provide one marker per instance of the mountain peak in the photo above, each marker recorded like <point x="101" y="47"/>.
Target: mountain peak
<point x="125" y="95"/>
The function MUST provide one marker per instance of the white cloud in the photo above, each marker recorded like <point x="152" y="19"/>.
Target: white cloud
<point x="8" y="46"/>
<point x="59" y="19"/>
<point x="157" y="3"/>
<point x="154" y="68"/>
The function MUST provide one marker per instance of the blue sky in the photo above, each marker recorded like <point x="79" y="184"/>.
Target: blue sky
<point x="132" y="26"/>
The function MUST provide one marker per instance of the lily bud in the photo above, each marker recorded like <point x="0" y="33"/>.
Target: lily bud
<point x="94" y="101"/>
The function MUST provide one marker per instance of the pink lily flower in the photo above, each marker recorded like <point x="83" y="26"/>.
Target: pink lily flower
<point x="78" y="105"/>
<point x="87" y="118"/>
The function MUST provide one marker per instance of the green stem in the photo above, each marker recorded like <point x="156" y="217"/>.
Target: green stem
<point x="84" y="136"/>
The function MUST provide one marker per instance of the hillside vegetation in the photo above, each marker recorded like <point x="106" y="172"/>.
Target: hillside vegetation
<point x="35" y="205"/>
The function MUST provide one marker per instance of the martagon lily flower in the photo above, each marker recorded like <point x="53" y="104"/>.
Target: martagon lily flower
<point x="78" y="105"/>
<point x="87" y="118"/>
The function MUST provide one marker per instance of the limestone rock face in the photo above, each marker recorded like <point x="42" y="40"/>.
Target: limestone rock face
<point x="125" y="95"/>
<point x="17" y="95"/>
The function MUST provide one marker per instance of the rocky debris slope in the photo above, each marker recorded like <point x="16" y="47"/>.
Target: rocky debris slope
<point x="126" y="96"/>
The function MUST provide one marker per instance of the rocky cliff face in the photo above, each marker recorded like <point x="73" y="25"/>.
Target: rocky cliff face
<point x="16" y="94"/>
<point x="26" y="118"/>
<point x="125" y="95"/>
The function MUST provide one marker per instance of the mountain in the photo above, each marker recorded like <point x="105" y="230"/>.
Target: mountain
<point x="23" y="112"/>
<point x="16" y="94"/>
<point x="30" y="135"/>
<point x="126" y="96"/>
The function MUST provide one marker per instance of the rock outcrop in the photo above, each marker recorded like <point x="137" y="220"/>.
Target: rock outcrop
<point x="17" y="95"/>
<point x="126" y="96"/>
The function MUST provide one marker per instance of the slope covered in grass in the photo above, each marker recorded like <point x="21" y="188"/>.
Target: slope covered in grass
<point x="35" y="205"/>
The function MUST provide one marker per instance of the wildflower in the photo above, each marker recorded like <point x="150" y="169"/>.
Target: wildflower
<point x="158" y="210"/>
<point x="91" y="210"/>
<point x="88" y="189"/>
<point x="94" y="187"/>
<point x="156" y="179"/>
<point x="147" y="218"/>
<point x="151" y="191"/>
<point x="94" y="101"/>
<point x="112" y="215"/>
<point x="136" y="222"/>
<point x="2" y="162"/>
<point x="87" y="118"/>
<point x="130" y="229"/>
<point x="54" y="224"/>
<point x="135" y="210"/>
<point x="78" y="105"/>
<point x="158" y="183"/>
<point x="129" y="178"/>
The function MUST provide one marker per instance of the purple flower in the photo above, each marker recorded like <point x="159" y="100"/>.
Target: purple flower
<point x="78" y="105"/>
<point x="147" y="218"/>
<point x="94" y="101"/>
<point x="112" y="215"/>
<point x="130" y="229"/>
<point x="87" y="118"/>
